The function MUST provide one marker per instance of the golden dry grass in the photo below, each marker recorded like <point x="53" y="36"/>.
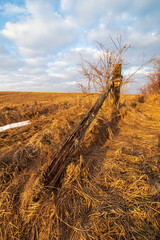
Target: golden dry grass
<point x="111" y="189"/>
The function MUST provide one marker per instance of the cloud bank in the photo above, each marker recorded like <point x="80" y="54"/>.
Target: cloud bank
<point x="41" y="42"/>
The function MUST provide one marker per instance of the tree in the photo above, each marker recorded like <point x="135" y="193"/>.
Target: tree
<point x="153" y="84"/>
<point x="98" y="74"/>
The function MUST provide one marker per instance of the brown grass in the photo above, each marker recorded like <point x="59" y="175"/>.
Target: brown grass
<point x="153" y="84"/>
<point x="109" y="191"/>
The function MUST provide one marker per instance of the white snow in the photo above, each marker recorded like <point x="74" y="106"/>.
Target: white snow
<point x="14" y="125"/>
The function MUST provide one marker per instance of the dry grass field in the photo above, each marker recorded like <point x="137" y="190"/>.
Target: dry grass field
<point x="111" y="188"/>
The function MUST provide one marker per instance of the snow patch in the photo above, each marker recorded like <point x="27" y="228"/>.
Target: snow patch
<point x="14" y="125"/>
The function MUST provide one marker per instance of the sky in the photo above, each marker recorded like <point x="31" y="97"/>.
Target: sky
<point x="42" y="41"/>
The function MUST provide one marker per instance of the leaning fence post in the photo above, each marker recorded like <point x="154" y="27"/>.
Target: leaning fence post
<point x="62" y="158"/>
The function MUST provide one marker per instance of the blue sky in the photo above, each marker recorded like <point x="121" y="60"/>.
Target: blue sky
<point x="41" y="40"/>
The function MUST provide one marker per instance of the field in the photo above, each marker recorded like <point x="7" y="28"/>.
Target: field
<point x="111" y="188"/>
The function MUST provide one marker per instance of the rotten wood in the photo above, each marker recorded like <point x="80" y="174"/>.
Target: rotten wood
<point x="62" y="158"/>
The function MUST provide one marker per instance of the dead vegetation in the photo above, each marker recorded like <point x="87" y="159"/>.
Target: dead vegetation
<point x="16" y="107"/>
<point x="98" y="74"/>
<point x="153" y="84"/>
<point x="111" y="190"/>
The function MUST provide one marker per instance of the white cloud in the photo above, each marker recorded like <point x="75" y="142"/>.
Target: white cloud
<point x="148" y="43"/>
<point x="67" y="6"/>
<point x="43" y="32"/>
<point x="49" y="37"/>
<point x="40" y="8"/>
<point x="67" y="63"/>
<point x="143" y="71"/>
<point x="10" y="9"/>
<point x="9" y="63"/>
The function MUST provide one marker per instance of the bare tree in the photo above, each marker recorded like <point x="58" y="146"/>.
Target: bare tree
<point x="153" y="84"/>
<point x="98" y="74"/>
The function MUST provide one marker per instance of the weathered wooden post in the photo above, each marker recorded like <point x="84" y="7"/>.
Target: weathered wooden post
<point x="117" y="81"/>
<point x="62" y="158"/>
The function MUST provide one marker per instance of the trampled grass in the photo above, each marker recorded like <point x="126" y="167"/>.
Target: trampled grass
<point x="111" y="188"/>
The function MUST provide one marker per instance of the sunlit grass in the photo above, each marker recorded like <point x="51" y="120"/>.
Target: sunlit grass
<point x="111" y="188"/>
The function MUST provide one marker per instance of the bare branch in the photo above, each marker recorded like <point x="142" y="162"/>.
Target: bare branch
<point x="99" y="74"/>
